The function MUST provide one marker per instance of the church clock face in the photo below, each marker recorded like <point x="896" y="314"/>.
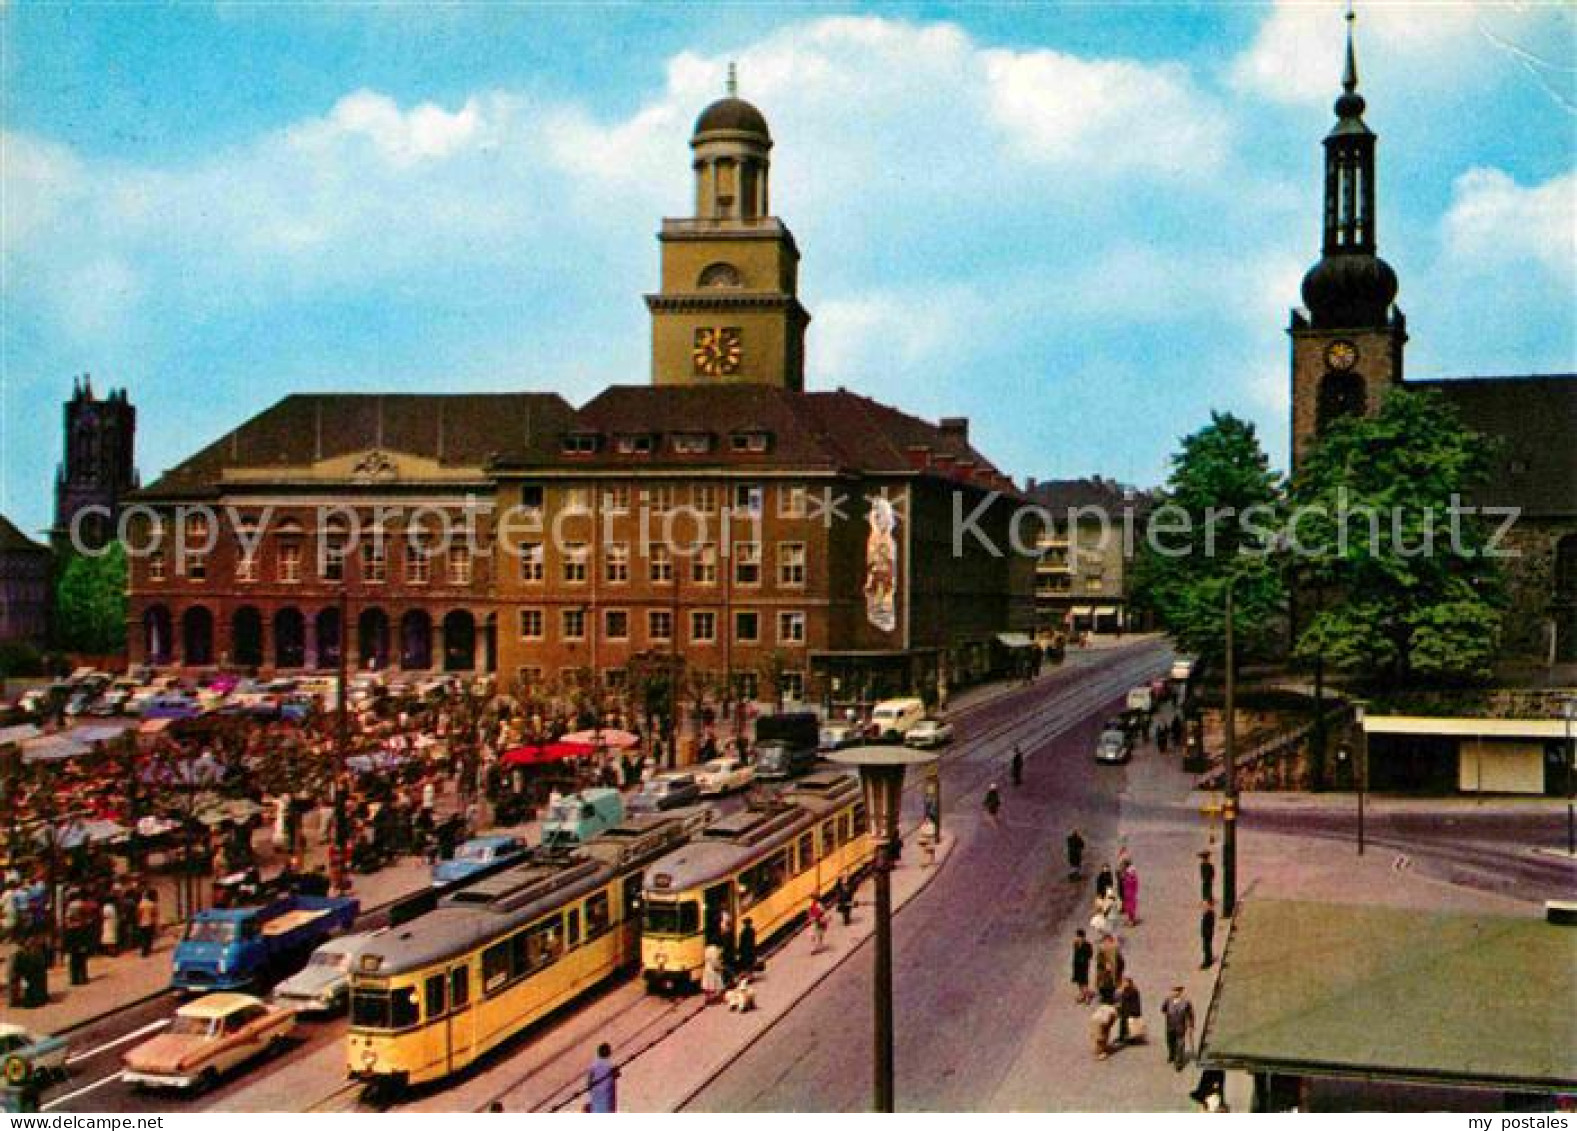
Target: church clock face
<point x="1341" y="356"/>
<point x="718" y="351"/>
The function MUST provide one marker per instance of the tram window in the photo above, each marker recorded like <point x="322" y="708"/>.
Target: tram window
<point x="402" y="1008"/>
<point x="572" y="927"/>
<point x="664" y="918"/>
<point x="518" y="963"/>
<point x="460" y="987"/>
<point x="829" y="840"/>
<point x="369" y="1009"/>
<point x="545" y="942"/>
<point x="596" y="915"/>
<point x="859" y="816"/>
<point x="807" y="852"/>
<point x="495" y="967"/>
<point x="435" y="997"/>
<point x="843" y="828"/>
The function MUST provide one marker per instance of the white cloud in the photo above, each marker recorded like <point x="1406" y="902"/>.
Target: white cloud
<point x="1493" y="222"/>
<point x="425" y="132"/>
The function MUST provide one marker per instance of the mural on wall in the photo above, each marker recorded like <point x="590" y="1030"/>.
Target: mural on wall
<point x="881" y="566"/>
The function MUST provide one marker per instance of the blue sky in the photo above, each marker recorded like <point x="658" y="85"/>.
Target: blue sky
<point x="1081" y="225"/>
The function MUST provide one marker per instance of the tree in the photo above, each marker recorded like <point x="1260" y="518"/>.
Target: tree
<point x="1380" y="525"/>
<point x="90" y="602"/>
<point x="1213" y="526"/>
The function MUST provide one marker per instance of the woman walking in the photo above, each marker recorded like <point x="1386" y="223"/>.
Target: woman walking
<point x="1128" y="890"/>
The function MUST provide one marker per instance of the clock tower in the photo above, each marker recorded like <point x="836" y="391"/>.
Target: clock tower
<point x="1347" y="343"/>
<point x="728" y="311"/>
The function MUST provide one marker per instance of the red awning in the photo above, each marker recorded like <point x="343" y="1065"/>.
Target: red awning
<point x="545" y="752"/>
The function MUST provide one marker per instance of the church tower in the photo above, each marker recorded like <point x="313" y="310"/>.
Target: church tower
<point x="99" y="468"/>
<point x="728" y="311"/>
<point x="1347" y="343"/>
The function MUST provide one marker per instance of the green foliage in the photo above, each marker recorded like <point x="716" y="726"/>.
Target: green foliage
<point x="1213" y="527"/>
<point x="90" y="602"/>
<point x="1403" y="588"/>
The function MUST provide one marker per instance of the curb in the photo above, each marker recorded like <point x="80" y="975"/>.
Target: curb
<point x="684" y="1100"/>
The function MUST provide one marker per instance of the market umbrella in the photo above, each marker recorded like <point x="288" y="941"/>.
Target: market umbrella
<point x="536" y="754"/>
<point x="52" y="748"/>
<point x="74" y="834"/>
<point x="608" y="738"/>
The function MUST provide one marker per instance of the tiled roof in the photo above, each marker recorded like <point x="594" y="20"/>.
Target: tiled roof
<point x="455" y="429"/>
<point x="1061" y="495"/>
<point x="1536" y="419"/>
<point x="12" y="540"/>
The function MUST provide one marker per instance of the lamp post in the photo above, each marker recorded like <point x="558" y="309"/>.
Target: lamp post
<point x="1229" y="784"/>
<point x="881" y="776"/>
<point x="1359" y="710"/>
<point x="1569" y="711"/>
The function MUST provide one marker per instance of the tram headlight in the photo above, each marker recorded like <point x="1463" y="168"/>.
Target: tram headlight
<point x="369" y="1060"/>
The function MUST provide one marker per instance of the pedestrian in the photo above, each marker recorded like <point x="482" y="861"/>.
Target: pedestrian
<point x="993" y="804"/>
<point x="1075" y="855"/>
<point x="1128" y="889"/>
<point x="748" y="962"/>
<point x="1109" y="967"/>
<point x="147" y="921"/>
<point x="1083" y="954"/>
<point x="1207" y="934"/>
<point x="109" y="927"/>
<point x="1179" y="1014"/>
<point x="843" y="899"/>
<point x="1101" y="1022"/>
<point x="1129" y="1007"/>
<point x="1207" y="876"/>
<point x="712" y="981"/>
<point x="1104" y="881"/>
<point x="78" y="928"/>
<point x="817" y="914"/>
<point x="1177" y="729"/>
<point x="1017" y="765"/>
<point x="1161" y="733"/>
<point x="602" y="1082"/>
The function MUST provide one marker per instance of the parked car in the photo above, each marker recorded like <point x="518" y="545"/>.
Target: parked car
<point x="929" y="732"/>
<point x="786" y="744"/>
<point x="666" y="791"/>
<point x="323" y="984"/>
<point x="577" y="818"/>
<point x="207" y="1038"/>
<point x="892" y="718"/>
<point x="723" y="775"/>
<point x="27" y="1057"/>
<point x="475" y="854"/>
<point x="1113" y="747"/>
<point x="835" y="736"/>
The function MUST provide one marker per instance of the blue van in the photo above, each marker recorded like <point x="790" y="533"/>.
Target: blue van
<point x="575" y="819"/>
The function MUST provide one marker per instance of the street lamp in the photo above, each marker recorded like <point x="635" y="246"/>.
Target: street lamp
<point x="1359" y="709"/>
<point x="881" y="776"/>
<point x="1229" y="785"/>
<point x="1569" y="712"/>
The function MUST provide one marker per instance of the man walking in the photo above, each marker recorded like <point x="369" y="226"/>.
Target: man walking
<point x="1017" y="765"/>
<point x="1083" y="954"/>
<point x="1207" y="934"/>
<point x="993" y="805"/>
<point x="602" y="1082"/>
<point x="1179" y="1014"/>
<point x="1075" y="855"/>
<point x="1207" y="876"/>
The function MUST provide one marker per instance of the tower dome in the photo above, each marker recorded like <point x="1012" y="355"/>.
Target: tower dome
<point x="732" y="115"/>
<point x="1349" y="290"/>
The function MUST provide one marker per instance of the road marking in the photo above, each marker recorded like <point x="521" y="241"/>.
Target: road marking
<point x="118" y="1041"/>
<point x="69" y="1096"/>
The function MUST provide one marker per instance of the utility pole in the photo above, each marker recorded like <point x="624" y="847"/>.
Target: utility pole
<point x="1229" y="832"/>
<point x="342" y="746"/>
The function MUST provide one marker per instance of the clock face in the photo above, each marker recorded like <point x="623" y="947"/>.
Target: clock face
<point x="717" y="351"/>
<point x="1341" y="355"/>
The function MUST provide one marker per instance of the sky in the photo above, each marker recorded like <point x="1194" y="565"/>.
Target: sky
<point x="1080" y="225"/>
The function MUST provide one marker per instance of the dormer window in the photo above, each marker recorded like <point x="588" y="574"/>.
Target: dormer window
<point x="635" y="444"/>
<point x="753" y="440"/>
<point x="580" y="443"/>
<point x="692" y="443"/>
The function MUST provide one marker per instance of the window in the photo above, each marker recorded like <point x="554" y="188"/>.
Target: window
<point x="748" y="685"/>
<point x="435" y="996"/>
<point x="495" y="967"/>
<point x="660" y="624"/>
<point x="792" y="685"/>
<point x="196" y="565"/>
<point x="616" y="499"/>
<point x="617" y="566"/>
<point x="544" y="944"/>
<point x="747" y="563"/>
<point x="246" y="567"/>
<point x="598" y="918"/>
<point x="575" y="557"/>
<point x="289" y="565"/>
<point x="660" y="563"/>
<point x="531" y="496"/>
<point x="806" y="852"/>
<point x="703" y="566"/>
<point x="574" y="624"/>
<point x="531" y="622"/>
<point x="792" y="501"/>
<point x="747" y="497"/>
<point x="333" y="557"/>
<point x="791" y="628"/>
<point x="747" y="626"/>
<point x="749" y="441"/>
<point x="577" y="500"/>
<point x="374" y="562"/>
<point x="572" y="925"/>
<point x="760" y="881"/>
<point x="692" y="443"/>
<point x="459" y="987"/>
<point x="1093" y="583"/>
<point x="829" y="839"/>
<point x="580" y="444"/>
<point x="459" y="565"/>
<point x="418" y="561"/>
<point x="532" y="562"/>
<point x="156" y="566"/>
<point x="615" y="679"/>
<point x="657" y="500"/>
<point x="703" y="497"/>
<point x="791" y="564"/>
<point x="703" y="627"/>
<point x="616" y="624"/>
<point x="639" y="444"/>
<point x="529" y="676"/>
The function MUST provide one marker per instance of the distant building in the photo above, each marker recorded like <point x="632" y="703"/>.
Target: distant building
<point x="1084" y="571"/>
<point x="99" y="468"/>
<point x="1347" y="352"/>
<point x="25" y="569"/>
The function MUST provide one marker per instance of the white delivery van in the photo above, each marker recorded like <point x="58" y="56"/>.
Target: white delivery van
<point x="1140" y="699"/>
<point x="892" y="718"/>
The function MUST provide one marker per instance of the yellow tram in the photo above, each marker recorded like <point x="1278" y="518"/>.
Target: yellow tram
<point x="430" y="997"/>
<point x="762" y="864"/>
